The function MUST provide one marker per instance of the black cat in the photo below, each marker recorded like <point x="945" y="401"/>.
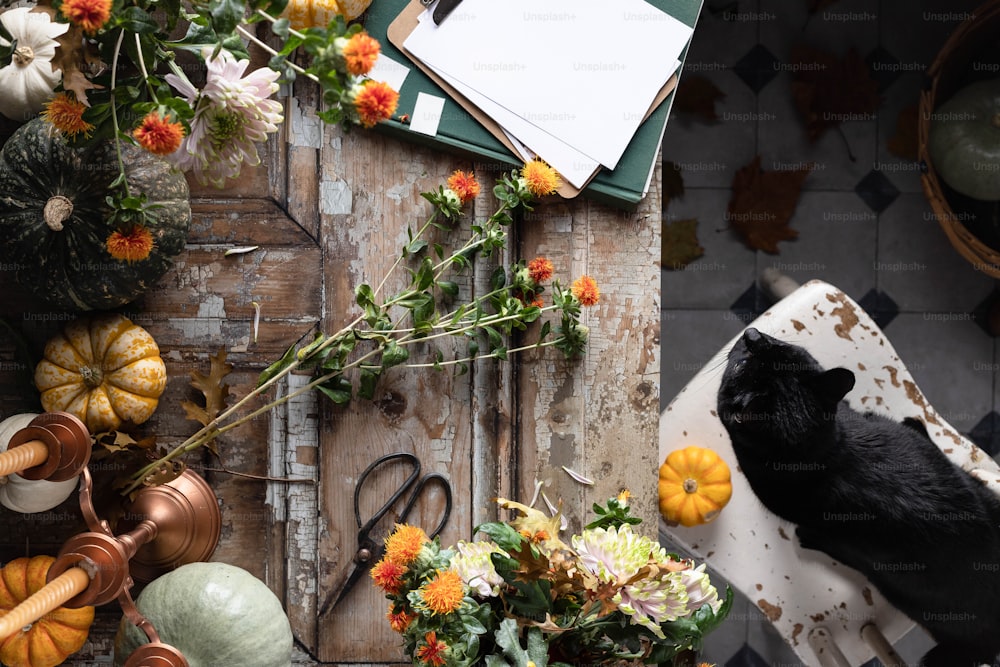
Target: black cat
<point x="875" y="494"/>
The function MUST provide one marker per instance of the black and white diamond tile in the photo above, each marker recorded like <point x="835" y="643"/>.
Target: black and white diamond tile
<point x="876" y="190"/>
<point x="757" y="67"/>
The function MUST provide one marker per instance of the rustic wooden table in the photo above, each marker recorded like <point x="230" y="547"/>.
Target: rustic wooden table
<point x="329" y="210"/>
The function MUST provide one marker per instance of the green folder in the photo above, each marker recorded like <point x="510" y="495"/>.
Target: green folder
<point x="459" y="132"/>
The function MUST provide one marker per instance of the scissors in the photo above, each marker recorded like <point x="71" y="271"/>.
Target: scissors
<point x="371" y="550"/>
<point x="444" y="7"/>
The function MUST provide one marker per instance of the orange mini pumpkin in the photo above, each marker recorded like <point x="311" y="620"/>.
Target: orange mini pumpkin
<point x="104" y="370"/>
<point x="51" y="639"/>
<point x="694" y="486"/>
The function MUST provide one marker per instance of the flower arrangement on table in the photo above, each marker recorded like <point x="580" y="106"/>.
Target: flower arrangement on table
<point x="99" y="70"/>
<point x="523" y="596"/>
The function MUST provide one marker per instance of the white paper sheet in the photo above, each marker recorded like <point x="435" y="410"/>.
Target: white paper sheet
<point x="583" y="71"/>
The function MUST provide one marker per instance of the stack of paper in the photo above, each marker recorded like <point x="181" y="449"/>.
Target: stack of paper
<point x="568" y="81"/>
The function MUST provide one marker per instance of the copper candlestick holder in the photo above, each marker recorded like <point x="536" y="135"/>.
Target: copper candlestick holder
<point x="168" y="525"/>
<point x="54" y="446"/>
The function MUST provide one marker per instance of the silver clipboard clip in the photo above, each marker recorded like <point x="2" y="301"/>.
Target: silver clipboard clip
<point x="444" y="7"/>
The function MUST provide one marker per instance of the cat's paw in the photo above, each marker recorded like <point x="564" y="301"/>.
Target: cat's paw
<point x="809" y="538"/>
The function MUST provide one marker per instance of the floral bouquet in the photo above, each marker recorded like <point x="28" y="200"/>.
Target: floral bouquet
<point x="524" y="597"/>
<point x="172" y="77"/>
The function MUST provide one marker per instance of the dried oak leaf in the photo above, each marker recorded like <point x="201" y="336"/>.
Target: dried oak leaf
<point x="762" y="204"/>
<point x="828" y="90"/>
<point x="213" y="387"/>
<point x="679" y="244"/>
<point x="904" y="144"/>
<point x="697" y="96"/>
<point x="118" y="441"/>
<point x="71" y="53"/>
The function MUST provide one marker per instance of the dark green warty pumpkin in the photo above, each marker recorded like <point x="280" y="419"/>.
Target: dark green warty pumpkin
<point x="55" y="221"/>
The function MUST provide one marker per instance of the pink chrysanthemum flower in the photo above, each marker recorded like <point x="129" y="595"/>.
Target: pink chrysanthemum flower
<point x="231" y="114"/>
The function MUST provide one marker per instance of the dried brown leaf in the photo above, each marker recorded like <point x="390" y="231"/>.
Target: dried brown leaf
<point x="118" y="441"/>
<point x="904" y="144"/>
<point x="697" y="95"/>
<point x="828" y="90"/>
<point x="679" y="244"/>
<point x="762" y="204"/>
<point x="72" y="53"/>
<point x="213" y="387"/>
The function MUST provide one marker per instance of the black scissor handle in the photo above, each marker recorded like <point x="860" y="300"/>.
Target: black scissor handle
<point x="382" y="511"/>
<point x="429" y="478"/>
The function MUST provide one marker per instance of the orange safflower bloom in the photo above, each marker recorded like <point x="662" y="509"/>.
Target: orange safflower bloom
<point x="586" y="291"/>
<point x="538" y="303"/>
<point x="159" y="135"/>
<point x="360" y="52"/>
<point x="540" y="178"/>
<point x="405" y="542"/>
<point x="376" y="101"/>
<point x="90" y="15"/>
<point x="443" y="594"/>
<point x="130" y="245"/>
<point x="433" y="651"/>
<point x="65" y="114"/>
<point x="464" y="185"/>
<point x="399" y="620"/>
<point x="540" y="269"/>
<point x="388" y="575"/>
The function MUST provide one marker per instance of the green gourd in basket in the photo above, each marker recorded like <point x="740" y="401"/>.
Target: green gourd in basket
<point x="964" y="140"/>
<point x="58" y="229"/>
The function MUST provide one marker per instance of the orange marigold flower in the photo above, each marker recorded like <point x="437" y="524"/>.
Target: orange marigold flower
<point x="399" y="620"/>
<point x="586" y="291"/>
<point x="159" y="135"/>
<point x="405" y="542"/>
<point x="540" y="178"/>
<point x="90" y="15"/>
<point x="360" y="52"/>
<point x="464" y="185"/>
<point x="433" y="652"/>
<point x="388" y="575"/>
<point x="375" y="101"/>
<point x="66" y="115"/>
<point x="130" y="245"/>
<point x="443" y="594"/>
<point x="538" y="302"/>
<point x="540" y="269"/>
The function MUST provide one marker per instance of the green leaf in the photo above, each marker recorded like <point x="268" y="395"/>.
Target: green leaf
<point x="498" y="279"/>
<point x="281" y="364"/>
<point x="337" y="389"/>
<point x="394" y="354"/>
<point x="507" y="638"/>
<point x="307" y="352"/>
<point x="473" y="626"/>
<point x="226" y="15"/>
<point x="503" y="535"/>
<point x="425" y="274"/>
<point x="280" y="28"/>
<point x="134" y="19"/>
<point x="368" y="382"/>
<point x="413" y="247"/>
<point x="449" y="287"/>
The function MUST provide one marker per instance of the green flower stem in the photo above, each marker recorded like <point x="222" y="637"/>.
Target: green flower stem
<point x="291" y="31"/>
<point x="142" y="67"/>
<point x="491" y="319"/>
<point x="114" y="111"/>
<point x="420" y="232"/>
<point x="491" y="355"/>
<point x="256" y="40"/>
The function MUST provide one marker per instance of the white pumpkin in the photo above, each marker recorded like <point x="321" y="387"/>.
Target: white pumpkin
<point x="28" y="495"/>
<point x="28" y="82"/>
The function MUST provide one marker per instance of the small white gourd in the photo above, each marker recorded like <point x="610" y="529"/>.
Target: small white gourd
<point x="29" y="81"/>
<point x="29" y="495"/>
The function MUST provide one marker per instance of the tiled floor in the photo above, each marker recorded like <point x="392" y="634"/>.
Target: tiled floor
<point x="864" y="224"/>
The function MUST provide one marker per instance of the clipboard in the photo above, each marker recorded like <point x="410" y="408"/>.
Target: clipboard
<point x="406" y="22"/>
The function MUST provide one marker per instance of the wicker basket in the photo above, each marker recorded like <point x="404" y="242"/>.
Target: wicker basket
<point x="975" y="40"/>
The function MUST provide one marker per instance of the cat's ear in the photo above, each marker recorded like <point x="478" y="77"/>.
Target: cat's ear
<point x="835" y="383"/>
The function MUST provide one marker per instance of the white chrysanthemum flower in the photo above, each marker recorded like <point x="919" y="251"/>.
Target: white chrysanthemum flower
<point x="473" y="565"/>
<point x="616" y="555"/>
<point x="231" y="114"/>
<point x="700" y="590"/>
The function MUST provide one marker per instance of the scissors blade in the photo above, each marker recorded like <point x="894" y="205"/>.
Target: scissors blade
<point x="361" y="566"/>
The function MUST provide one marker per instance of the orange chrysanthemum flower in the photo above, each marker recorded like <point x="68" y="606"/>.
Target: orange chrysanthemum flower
<point x="65" y="114"/>
<point x="360" y="53"/>
<point x="539" y="178"/>
<point x="586" y="291"/>
<point x="464" y="185"/>
<point x="433" y="651"/>
<point x="540" y="269"/>
<point x="159" y="135"/>
<point x="399" y="620"/>
<point x="388" y="575"/>
<point x="130" y="245"/>
<point x="538" y="303"/>
<point x="405" y="542"/>
<point x="375" y="101"/>
<point x="90" y="15"/>
<point x="443" y="594"/>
